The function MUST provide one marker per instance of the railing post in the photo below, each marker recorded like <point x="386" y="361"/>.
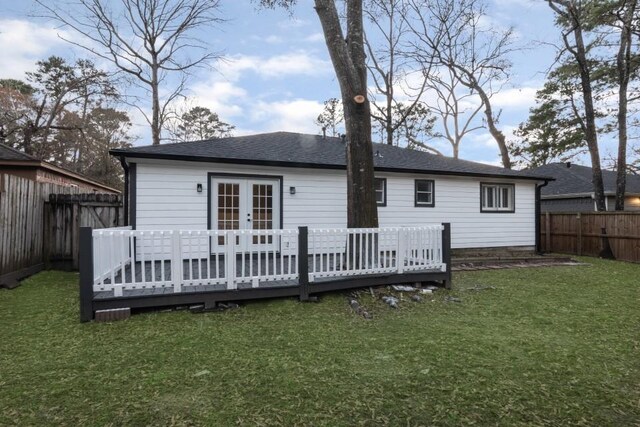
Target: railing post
<point x="86" y="274"/>
<point x="230" y="259"/>
<point x="303" y="262"/>
<point x="176" y="261"/>
<point x="446" y="252"/>
<point x="400" y="251"/>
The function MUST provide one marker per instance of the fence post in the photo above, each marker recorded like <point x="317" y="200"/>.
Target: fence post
<point x="86" y="274"/>
<point x="303" y="262"/>
<point x="547" y="226"/>
<point x="176" y="261"/>
<point x="579" y="227"/>
<point x="446" y="252"/>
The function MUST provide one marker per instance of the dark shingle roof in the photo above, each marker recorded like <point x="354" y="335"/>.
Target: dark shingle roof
<point x="577" y="179"/>
<point x="8" y="153"/>
<point x="295" y="149"/>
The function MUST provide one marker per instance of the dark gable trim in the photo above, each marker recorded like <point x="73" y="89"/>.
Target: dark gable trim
<point x="313" y="165"/>
<point x="384" y="192"/>
<point x="211" y="175"/>
<point x="133" y="194"/>
<point x="415" y="194"/>
<point x="512" y="210"/>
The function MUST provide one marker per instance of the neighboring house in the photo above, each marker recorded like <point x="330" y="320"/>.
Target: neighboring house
<point x="14" y="162"/>
<point x="572" y="190"/>
<point x="285" y="180"/>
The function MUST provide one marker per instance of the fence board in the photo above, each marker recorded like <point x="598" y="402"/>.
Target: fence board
<point x="581" y="233"/>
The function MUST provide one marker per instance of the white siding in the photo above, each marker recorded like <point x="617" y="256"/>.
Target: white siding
<point x="167" y="199"/>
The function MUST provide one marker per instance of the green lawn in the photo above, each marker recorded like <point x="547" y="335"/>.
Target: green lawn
<point x="548" y="346"/>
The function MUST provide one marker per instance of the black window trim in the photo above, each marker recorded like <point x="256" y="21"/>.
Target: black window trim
<point x="384" y="191"/>
<point x="503" y="184"/>
<point x="415" y="194"/>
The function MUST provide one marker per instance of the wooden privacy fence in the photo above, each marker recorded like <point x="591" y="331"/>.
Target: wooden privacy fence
<point x="28" y="236"/>
<point x="64" y="214"/>
<point x="592" y="233"/>
<point x="21" y="225"/>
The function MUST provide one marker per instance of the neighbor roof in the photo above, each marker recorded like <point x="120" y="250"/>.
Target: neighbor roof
<point x="15" y="158"/>
<point x="574" y="180"/>
<point x="9" y="153"/>
<point x="314" y="151"/>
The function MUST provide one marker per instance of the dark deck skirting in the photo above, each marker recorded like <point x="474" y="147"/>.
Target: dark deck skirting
<point x="210" y="295"/>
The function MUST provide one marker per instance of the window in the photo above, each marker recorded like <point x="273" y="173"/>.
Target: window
<point x="424" y="194"/>
<point x="497" y="198"/>
<point x="380" y="185"/>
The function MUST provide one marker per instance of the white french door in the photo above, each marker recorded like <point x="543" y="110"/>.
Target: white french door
<point x="246" y="204"/>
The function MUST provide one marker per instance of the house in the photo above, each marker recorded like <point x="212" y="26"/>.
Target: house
<point x="283" y="180"/>
<point x="14" y="162"/>
<point x="264" y="216"/>
<point x="572" y="189"/>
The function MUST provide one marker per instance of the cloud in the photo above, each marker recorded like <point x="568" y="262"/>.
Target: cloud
<point x="296" y="115"/>
<point x="516" y="98"/>
<point x="223" y="97"/>
<point x="277" y="66"/>
<point x="22" y="43"/>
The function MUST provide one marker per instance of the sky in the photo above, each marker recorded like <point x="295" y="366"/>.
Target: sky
<point x="276" y="73"/>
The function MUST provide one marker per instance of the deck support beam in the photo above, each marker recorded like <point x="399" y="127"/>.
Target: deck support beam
<point x="86" y="274"/>
<point x="446" y="252"/>
<point x="303" y="262"/>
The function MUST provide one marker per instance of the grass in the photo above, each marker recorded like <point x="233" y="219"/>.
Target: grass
<point x="548" y="346"/>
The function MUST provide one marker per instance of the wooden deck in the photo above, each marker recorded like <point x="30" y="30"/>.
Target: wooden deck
<point x="126" y="273"/>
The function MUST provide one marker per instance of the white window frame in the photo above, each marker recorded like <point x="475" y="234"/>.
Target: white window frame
<point x="382" y="191"/>
<point x="431" y="192"/>
<point x="497" y="192"/>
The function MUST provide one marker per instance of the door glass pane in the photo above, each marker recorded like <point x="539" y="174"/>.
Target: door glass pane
<point x="228" y="208"/>
<point x="262" y="210"/>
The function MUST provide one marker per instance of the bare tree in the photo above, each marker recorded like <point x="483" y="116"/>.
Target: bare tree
<point x="571" y="18"/>
<point x="389" y="67"/>
<point x="146" y="39"/>
<point x="330" y="117"/>
<point x="452" y="34"/>
<point x="457" y="108"/>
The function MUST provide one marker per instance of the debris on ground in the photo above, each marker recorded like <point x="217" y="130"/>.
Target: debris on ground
<point x="391" y="301"/>
<point x="426" y="291"/>
<point x="201" y="373"/>
<point x="403" y="288"/>
<point x="416" y="298"/>
<point x="355" y="306"/>
<point x="452" y="299"/>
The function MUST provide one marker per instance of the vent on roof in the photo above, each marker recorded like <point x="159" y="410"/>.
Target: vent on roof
<point x="377" y="154"/>
<point x="568" y="164"/>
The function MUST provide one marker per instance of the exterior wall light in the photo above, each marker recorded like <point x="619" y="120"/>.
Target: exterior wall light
<point x="292" y="190"/>
<point x="199" y="188"/>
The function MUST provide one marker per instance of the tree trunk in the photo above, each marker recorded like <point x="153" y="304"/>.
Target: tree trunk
<point x="348" y="59"/>
<point x="491" y="124"/>
<point x="155" y="113"/>
<point x="623" y="65"/>
<point x="591" y="134"/>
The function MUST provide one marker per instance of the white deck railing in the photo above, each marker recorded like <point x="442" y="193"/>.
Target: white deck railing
<point x="340" y="252"/>
<point x="192" y="260"/>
